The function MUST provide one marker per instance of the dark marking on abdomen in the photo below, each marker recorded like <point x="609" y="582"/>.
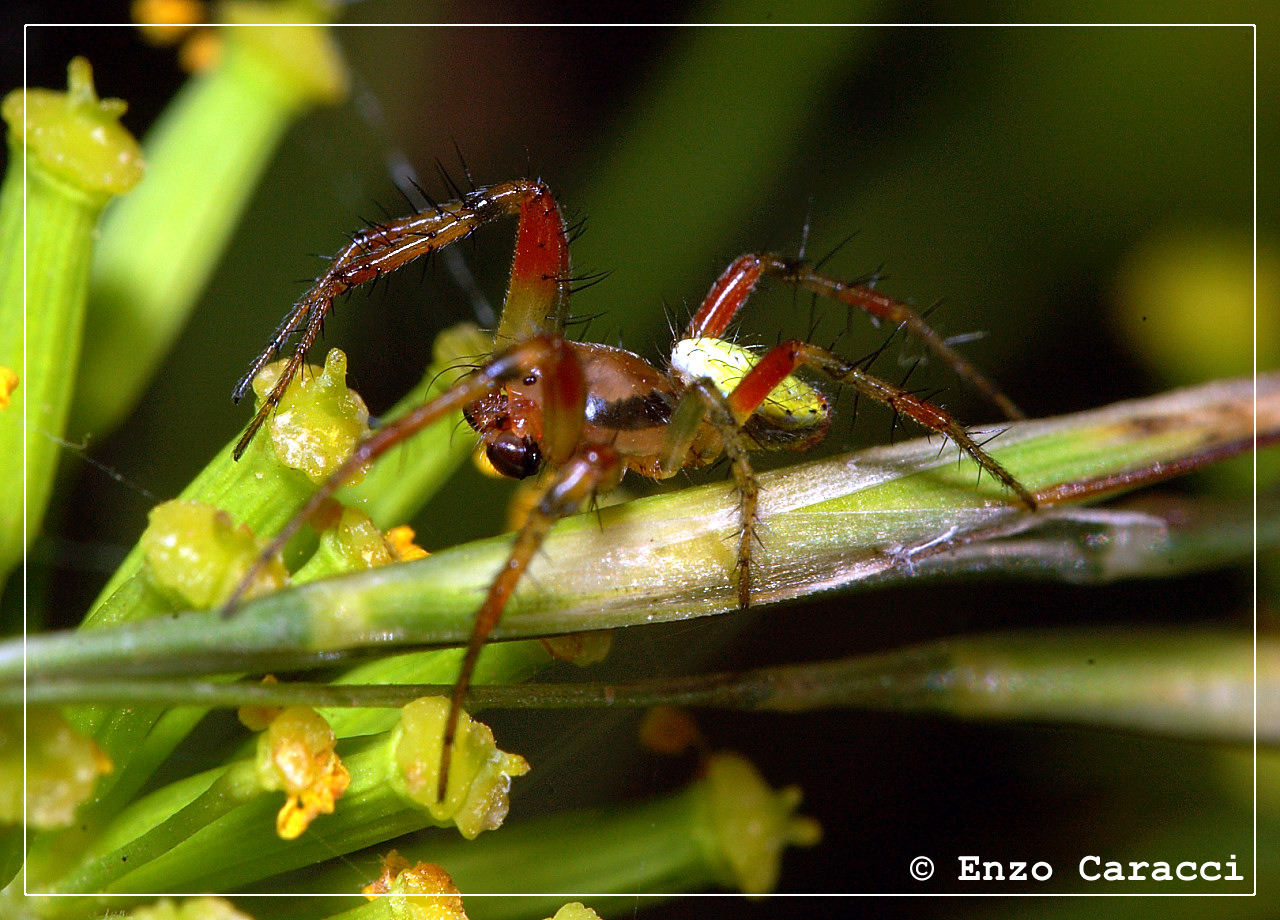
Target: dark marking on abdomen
<point x="651" y="410"/>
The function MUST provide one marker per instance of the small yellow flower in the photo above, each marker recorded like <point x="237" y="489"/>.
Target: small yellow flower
<point x="296" y="754"/>
<point x="575" y="910"/>
<point x="165" y="22"/>
<point x="582" y="649"/>
<point x="201" y="51"/>
<point x="197" y="554"/>
<point x="62" y="767"/>
<point x="400" y="542"/>
<point x="421" y="892"/>
<point x="479" y="773"/>
<point x="192" y="909"/>
<point x="319" y="421"/>
<point x="750" y="823"/>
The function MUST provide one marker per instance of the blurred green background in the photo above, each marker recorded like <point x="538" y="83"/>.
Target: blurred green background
<point x="1083" y="196"/>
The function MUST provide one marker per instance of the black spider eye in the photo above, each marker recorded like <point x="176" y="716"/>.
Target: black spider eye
<point x="530" y="380"/>
<point x="514" y="456"/>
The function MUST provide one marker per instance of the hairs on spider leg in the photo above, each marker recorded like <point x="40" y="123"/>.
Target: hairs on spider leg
<point x="582" y="319"/>
<point x="371" y="227"/>
<point x="929" y="395"/>
<point x="902" y="385"/>
<point x="579" y="283"/>
<point x="408" y="199"/>
<point x="448" y="180"/>
<point x="864" y="363"/>
<point x="426" y="196"/>
<point x="574" y="228"/>
<point x="928" y="311"/>
<point x="893" y="424"/>
<point x="817" y="265"/>
<point x="669" y="316"/>
<point x="462" y="161"/>
<point x="991" y="437"/>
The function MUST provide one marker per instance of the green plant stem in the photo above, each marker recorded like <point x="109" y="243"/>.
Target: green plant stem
<point x="194" y="819"/>
<point x="258" y="491"/>
<point x="503" y="663"/>
<point x="831" y="523"/>
<point x="726" y="829"/>
<point x="159" y="248"/>
<point x="68" y="156"/>
<point x="639" y="847"/>
<point x="232" y="789"/>
<point x="1196" y="685"/>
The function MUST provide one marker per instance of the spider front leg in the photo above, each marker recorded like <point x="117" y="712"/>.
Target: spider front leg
<point x="703" y="401"/>
<point x="561" y="412"/>
<point x="537" y="298"/>
<point x="731" y="290"/>
<point x="579" y="472"/>
<point x="782" y="360"/>
<point x="593" y="468"/>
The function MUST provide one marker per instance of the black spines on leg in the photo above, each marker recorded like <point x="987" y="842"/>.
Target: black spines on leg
<point x="480" y="204"/>
<point x="408" y="199"/>
<point x="831" y="253"/>
<point x="462" y="162"/>
<point x="897" y="416"/>
<point x="575" y="229"/>
<point x="426" y="196"/>
<point x="448" y="181"/>
<point x="581" y="282"/>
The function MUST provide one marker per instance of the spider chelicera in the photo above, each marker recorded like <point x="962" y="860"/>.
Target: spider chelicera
<point x="583" y="414"/>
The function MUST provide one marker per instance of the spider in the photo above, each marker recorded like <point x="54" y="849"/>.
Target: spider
<point x="582" y="414"/>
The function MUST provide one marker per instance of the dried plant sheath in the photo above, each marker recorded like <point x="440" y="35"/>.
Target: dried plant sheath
<point x="873" y="515"/>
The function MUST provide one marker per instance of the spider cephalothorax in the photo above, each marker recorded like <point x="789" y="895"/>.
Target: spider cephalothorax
<point x="583" y="414"/>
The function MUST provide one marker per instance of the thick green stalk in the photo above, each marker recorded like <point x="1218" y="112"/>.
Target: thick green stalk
<point x="259" y="491"/>
<point x="727" y="829"/>
<point x="231" y="790"/>
<point x="1189" y="684"/>
<point x="177" y="836"/>
<point x="74" y="156"/>
<point x="870" y="517"/>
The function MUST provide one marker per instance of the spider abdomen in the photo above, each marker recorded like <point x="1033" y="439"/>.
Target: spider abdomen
<point x="794" y="414"/>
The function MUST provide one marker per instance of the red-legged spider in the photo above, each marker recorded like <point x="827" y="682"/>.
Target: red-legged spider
<point x="586" y="413"/>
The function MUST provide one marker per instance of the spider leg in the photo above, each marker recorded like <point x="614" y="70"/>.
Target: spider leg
<point x="704" y="401"/>
<point x="537" y="297"/>
<point x="580" y="471"/>
<point x="592" y="468"/>
<point x="783" y="359"/>
<point x="732" y="288"/>
<point x="538" y="351"/>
